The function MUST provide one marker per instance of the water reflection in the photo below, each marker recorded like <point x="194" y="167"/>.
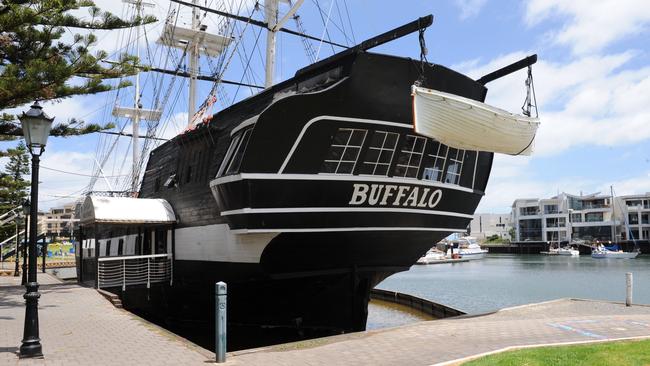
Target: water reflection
<point x="382" y="314"/>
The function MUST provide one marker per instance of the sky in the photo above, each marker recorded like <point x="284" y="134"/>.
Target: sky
<point x="592" y="83"/>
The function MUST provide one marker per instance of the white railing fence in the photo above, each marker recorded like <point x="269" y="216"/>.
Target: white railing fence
<point x="134" y="270"/>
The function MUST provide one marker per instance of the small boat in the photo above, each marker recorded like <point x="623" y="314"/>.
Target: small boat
<point x="563" y="251"/>
<point x="464" y="123"/>
<point x="601" y="251"/>
<point x="467" y="247"/>
<point x="431" y="256"/>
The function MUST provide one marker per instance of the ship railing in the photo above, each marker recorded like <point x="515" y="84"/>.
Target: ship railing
<point x="134" y="270"/>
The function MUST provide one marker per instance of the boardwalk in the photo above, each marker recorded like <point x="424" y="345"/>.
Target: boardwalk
<point x="79" y="327"/>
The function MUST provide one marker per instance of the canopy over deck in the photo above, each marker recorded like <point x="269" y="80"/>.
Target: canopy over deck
<point x="126" y="210"/>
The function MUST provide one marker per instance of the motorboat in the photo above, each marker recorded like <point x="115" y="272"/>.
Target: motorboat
<point x="601" y="251"/>
<point x="432" y="256"/>
<point x="563" y="251"/>
<point x="467" y="247"/>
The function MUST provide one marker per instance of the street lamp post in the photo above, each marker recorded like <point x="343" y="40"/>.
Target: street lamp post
<point x="36" y="128"/>
<point x="17" y="251"/>
<point x="26" y="211"/>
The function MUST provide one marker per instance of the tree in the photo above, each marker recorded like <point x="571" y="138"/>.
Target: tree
<point x="13" y="186"/>
<point x="38" y="62"/>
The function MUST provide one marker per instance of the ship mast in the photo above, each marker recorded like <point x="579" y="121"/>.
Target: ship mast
<point x="137" y="112"/>
<point x="273" y="26"/>
<point x="194" y="63"/>
<point x="193" y="41"/>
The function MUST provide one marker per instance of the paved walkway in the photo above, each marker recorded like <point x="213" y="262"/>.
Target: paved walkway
<point x="447" y="341"/>
<point x="79" y="327"/>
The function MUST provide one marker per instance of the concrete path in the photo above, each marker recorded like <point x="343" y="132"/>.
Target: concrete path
<point x="449" y="341"/>
<point x="79" y="327"/>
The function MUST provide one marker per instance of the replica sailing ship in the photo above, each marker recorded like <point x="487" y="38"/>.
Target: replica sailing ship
<point x="304" y="196"/>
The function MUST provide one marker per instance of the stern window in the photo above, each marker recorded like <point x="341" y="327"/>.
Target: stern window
<point x="454" y="165"/>
<point x="235" y="154"/>
<point x="380" y="153"/>
<point x="344" y="151"/>
<point x="435" y="162"/>
<point x="409" y="158"/>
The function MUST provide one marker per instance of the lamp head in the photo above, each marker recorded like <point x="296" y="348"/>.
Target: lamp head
<point x="36" y="128"/>
<point x="26" y="207"/>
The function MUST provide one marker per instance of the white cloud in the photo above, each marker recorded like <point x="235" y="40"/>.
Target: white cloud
<point x="588" y="101"/>
<point x="593" y="25"/>
<point x="469" y="8"/>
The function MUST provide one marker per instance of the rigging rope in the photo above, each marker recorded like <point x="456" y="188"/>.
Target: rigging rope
<point x="531" y="99"/>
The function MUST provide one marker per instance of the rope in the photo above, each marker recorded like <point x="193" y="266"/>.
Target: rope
<point x="531" y="100"/>
<point x="423" y="56"/>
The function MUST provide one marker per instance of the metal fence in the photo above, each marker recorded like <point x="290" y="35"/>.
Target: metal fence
<point x="134" y="270"/>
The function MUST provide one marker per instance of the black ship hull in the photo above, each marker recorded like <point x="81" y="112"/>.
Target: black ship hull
<point x="306" y="196"/>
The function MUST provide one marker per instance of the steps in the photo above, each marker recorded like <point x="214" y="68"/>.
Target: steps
<point x="111" y="297"/>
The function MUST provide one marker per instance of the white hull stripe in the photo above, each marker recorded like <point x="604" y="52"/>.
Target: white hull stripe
<point x="249" y="210"/>
<point x="335" y="118"/>
<point x="337" y="229"/>
<point x="336" y="177"/>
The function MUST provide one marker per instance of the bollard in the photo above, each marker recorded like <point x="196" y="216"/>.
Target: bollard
<point x="220" y="294"/>
<point x="628" y="288"/>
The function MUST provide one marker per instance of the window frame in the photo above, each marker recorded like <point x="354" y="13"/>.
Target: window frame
<point x="347" y="146"/>
<point x="410" y="153"/>
<point x="381" y="149"/>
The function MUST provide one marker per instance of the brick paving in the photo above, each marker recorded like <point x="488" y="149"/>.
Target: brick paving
<point x="79" y="327"/>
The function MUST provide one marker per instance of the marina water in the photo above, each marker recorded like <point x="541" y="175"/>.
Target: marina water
<point x="503" y="280"/>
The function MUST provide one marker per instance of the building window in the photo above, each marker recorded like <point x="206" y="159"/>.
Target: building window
<point x="594" y="217"/>
<point x="530" y="230"/>
<point x="555" y="222"/>
<point x="645" y="219"/>
<point x="576" y="217"/>
<point x="409" y="158"/>
<point x="380" y="153"/>
<point x="454" y="165"/>
<point x="526" y="211"/>
<point x="633" y="203"/>
<point x="120" y="247"/>
<point x="108" y="248"/>
<point x="435" y="161"/>
<point x="550" y="209"/>
<point x="633" y="219"/>
<point x="344" y="152"/>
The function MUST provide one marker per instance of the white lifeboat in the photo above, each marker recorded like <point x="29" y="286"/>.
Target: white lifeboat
<point x="468" y="124"/>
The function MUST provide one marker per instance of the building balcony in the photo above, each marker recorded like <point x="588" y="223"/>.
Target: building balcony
<point x="595" y="223"/>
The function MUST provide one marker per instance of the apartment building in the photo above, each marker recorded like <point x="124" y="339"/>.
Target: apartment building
<point x="58" y="222"/>
<point x="567" y="217"/>
<point x="485" y="225"/>
<point x="636" y="209"/>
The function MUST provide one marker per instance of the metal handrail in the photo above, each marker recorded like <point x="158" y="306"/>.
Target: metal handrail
<point x="134" y="270"/>
<point x="102" y="259"/>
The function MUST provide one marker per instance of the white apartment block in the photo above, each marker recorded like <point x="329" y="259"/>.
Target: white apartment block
<point x="58" y="221"/>
<point x="636" y="209"/>
<point x="569" y="217"/>
<point x="485" y="225"/>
